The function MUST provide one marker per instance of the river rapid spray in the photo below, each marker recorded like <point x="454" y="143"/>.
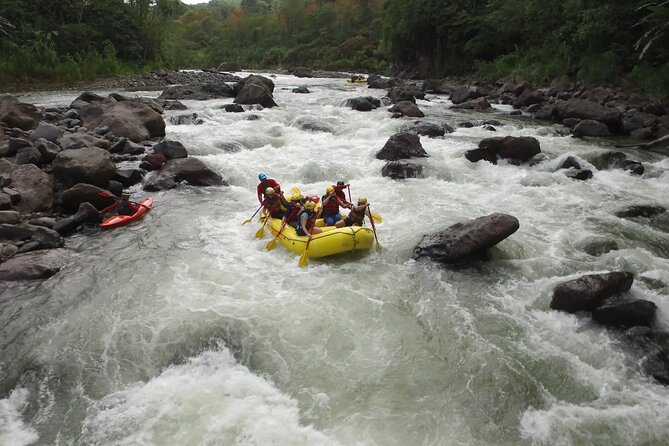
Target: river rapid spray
<point x="182" y="329"/>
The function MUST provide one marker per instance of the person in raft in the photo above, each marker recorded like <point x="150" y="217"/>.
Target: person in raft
<point x="293" y="210"/>
<point x="264" y="184"/>
<point x="124" y="206"/>
<point x="274" y="204"/>
<point x="357" y="215"/>
<point x="306" y="221"/>
<point x="339" y="190"/>
<point x="331" y="203"/>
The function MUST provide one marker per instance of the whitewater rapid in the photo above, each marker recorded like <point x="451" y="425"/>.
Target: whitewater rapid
<point x="183" y="330"/>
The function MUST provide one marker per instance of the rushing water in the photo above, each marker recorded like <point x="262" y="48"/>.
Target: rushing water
<point x="183" y="330"/>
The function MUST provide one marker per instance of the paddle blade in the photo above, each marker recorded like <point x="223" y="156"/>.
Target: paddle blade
<point x="272" y="243"/>
<point x="303" y="259"/>
<point x="246" y="221"/>
<point x="260" y="232"/>
<point x="377" y="218"/>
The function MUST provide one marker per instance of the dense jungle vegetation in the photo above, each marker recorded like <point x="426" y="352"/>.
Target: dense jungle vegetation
<point x="594" y="41"/>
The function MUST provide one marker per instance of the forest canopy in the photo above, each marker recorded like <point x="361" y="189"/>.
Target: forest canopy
<point x="593" y="41"/>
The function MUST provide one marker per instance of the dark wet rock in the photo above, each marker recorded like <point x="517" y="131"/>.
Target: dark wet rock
<point x="29" y="155"/>
<point x="80" y="140"/>
<point x="303" y="72"/>
<point x="87" y="165"/>
<point x="47" y="238"/>
<point x="425" y="129"/>
<point x="529" y="97"/>
<point x="598" y="247"/>
<point x="616" y="160"/>
<point x="405" y="93"/>
<point x="14" y="233"/>
<point x="312" y="125"/>
<point x="584" y="109"/>
<point x="464" y="93"/>
<point x="375" y="81"/>
<point x="103" y="130"/>
<point x="128" y="177"/>
<point x="652" y="283"/>
<point x="301" y="90"/>
<point x="34" y="185"/>
<point x="18" y="114"/>
<point x="255" y="90"/>
<point x="439" y="86"/>
<point x="47" y="222"/>
<point x="10" y="217"/>
<point x="400" y="170"/>
<point x="218" y="90"/>
<point x="407" y="108"/>
<point x="644" y="133"/>
<point x="171" y="149"/>
<point x="467" y="241"/>
<point x="86" y="98"/>
<point x="640" y="211"/>
<point x="86" y="213"/>
<point x="627" y="314"/>
<point x="490" y="128"/>
<point x="231" y="108"/>
<point x="70" y="199"/>
<point x="114" y="187"/>
<point x="47" y="149"/>
<point x="579" y="174"/>
<point x="465" y="125"/>
<point x="16" y="144"/>
<point x="153" y="161"/>
<point x="191" y="170"/>
<point x="362" y="104"/>
<point x="134" y="120"/>
<point x="5" y="202"/>
<point x="573" y="122"/>
<point x="126" y="147"/>
<point x="643" y="343"/>
<point x="402" y="146"/>
<point x="35" y="265"/>
<point x="475" y="104"/>
<point x="173" y="105"/>
<point x="29" y="246"/>
<point x="509" y="147"/>
<point x="46" y="131"/>
<point x="589" y="292"/>
<point x="7" y="250"/>
<point x="635" y="119"/>
<point x="589" y="127"/>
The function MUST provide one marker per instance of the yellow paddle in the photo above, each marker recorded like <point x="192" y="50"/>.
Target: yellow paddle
<point x="254" y="214"/>
<point x="272" y="243"/>
<point x="376" y="217"/>
<point x="303" y="257"/>
<point x="261" y="231"/>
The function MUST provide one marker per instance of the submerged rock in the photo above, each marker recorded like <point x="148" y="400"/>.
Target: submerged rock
<point x="35" y="265"/>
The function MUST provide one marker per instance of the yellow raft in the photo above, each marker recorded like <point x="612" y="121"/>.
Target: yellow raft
<point x="357" y="81"/>
<point x="329" y="242"/>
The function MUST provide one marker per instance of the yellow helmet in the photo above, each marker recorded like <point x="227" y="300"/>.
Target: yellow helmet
<point x="296" y="197"/>
<point x="362" y="200"/>
<point x="269" y="191"/>
<point x="310" y="205"/>
<point x="329" y="189"/>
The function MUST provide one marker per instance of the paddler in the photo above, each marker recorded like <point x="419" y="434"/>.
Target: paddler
<point x="264" y="184"/>
<point x="124" y="206"/>
<point x="306" y="221"/>
<point x="357" y="215"/>
<point x="293" y="209"/>
<point x="339" y="190"/>
<point x="274" y="203"/>
<point x="330" y="206"/>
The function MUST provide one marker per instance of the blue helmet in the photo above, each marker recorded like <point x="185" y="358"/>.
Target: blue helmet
<point x="262" y="176"/>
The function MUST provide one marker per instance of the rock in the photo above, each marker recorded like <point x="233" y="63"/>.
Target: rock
<point x="115" y="188"/>
<point x="131" y="119"/>
<point x="82" y="139"/>
<point x="72" y="198"/>
<point x="86" y="98"/>
<point x="47" y="238"/>
<point x="16" y="232"/>
<point x="309" y="124"/>
<point x="16" y="144"/>
<point x="153" y="161"/>
<point x="35" y="265"/>
<point x="102" y="130"/>
<point x="400" y="170"/>
<point x="476" y="104"/>
<point x="640" y="211"/>
<point x="5" y="202"/>
<point x="191" y="170"/>
<point x="628" y="314"/>
<point x="439" y="86"/>
<point x="407" y="108"/>
<point x="10" y="217"/>
<point x="653" y="360"/>
<point x="583" y="109"/>
<point x="402" y="146"/>
<point x="7" y="250"/>
<point x="128" y="177"/>
<point x="301" y="90"/>
<point x="375" y="81"/>
<point x="173" y="105"/>
<point x="85" y="214"/>
<point x="303" y="72"/>
<point x="29" y="155"/>
<point x="588" y="127"/>
<point x="467" y="241"/>
<point x="588" y="292"/>
<point x="579" y="174"/>
<point x="13" y="194"/>
<point x="361" y="104"/>
<point x="635" y="119"/>
<point x="219" y="90"/>
<point x="405" y="93"/>
<point x="47" y="222"/>
<point x="509" y="147"/>
<point x="18" y="114"/>
<point x="46" y="131"/>
<point x="34" y="185"/>
<point x="255" y="90"/>
<point x="229" y="66"/>
<point x="171" y="149"/>
<point x="233" y="108"/>
<point x="424" y="129"/>
<point x="47" y="149"/>
<point x="463" y="93"/>
<point x="644" y="133"/>
<point x="529" y="97"/>
<point x="465" y="125"/>
<point x="29" y="246"/>
<point x="598" y="247"/>
<point x="88" y="165"/>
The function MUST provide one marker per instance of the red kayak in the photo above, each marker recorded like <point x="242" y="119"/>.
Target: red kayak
<point x="120" y="220"/>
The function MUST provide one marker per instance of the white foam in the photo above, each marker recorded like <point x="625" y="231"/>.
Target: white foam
<point x="13" y="430"/>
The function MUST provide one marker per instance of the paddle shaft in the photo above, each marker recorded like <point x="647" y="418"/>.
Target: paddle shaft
<point x="371" y="220"/>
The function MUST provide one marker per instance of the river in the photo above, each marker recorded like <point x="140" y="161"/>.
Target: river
<point x="183" y="330"/>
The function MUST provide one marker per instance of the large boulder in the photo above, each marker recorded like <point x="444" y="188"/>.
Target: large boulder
<point x="171" y="149"/>
<point x="303" y="72"/>
<point x="253" y="78"/>
<point x="589" y="292"/>
<point x="79" y="140"/>
<point x="439" y="86"/>
<point x="407" y="108"/>
<point x="467" y="241"/>
<point x="49" y="132"/>
<point x="255" y="91"/>
<point x="425" y="129"/>
<point x="646" y="345"/>
<point x="135" y="120"/>
<point x="474" y="104"/>
<point x="191" y="170"/>
<point x="34" y="185"/>
<point x="35" y="265"/>
<point x="627" y="314"/>
<point x="85" y="214"/>
<point x="521" y="148"/>
<point x="401" y="170"/>
<point x="71" y="198"/>
<point x="583" y="109"/>
<point x="616" y="160"/>
<point x="203" y="92"/>
<point x="88" y="165"/>
<point x="363" y="104"/>
<point x="589" y="127"/>
<point x="405" y="93"/>
<point x="402" y="146"/>
<point x="18" y="114"/>
<point x="464" y="93"/>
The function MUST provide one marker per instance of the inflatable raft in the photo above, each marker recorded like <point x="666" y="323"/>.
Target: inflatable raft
<point x="357" y="81"/>
<point x="329" y="242"/>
